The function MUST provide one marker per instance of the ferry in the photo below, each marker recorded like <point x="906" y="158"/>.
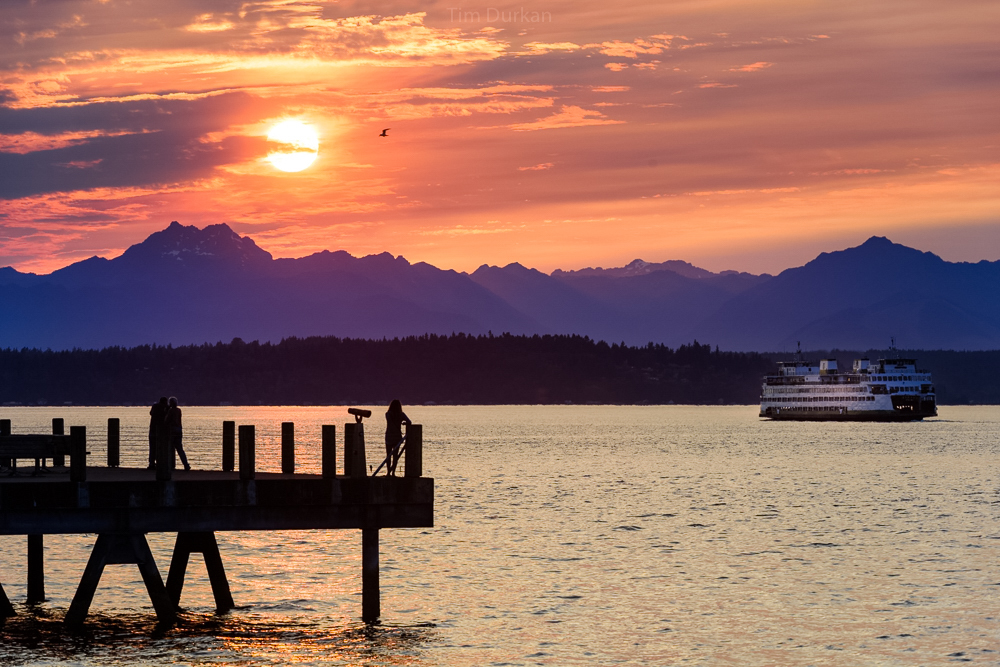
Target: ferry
<point x="889" y="390"/>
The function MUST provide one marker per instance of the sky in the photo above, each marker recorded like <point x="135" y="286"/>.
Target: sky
<point x="734" y="134"/>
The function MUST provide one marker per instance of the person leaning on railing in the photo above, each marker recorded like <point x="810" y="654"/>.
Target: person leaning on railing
<point x="394" y="420"/>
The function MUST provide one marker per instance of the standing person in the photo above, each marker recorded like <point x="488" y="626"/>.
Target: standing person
<point x="174" y="431"/>
<point x="157" y="415"/>
<point x="394" y="420"/>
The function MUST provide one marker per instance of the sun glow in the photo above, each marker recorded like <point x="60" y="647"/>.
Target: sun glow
<point x="299" y="145"/>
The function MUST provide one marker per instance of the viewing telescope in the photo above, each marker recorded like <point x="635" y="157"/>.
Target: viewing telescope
<point x="359" y="414"/>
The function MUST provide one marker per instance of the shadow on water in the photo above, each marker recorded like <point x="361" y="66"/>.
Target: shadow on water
<point x="38" y="636"/>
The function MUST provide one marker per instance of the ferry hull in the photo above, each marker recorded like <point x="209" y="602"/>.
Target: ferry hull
<point x="790" y="414"/>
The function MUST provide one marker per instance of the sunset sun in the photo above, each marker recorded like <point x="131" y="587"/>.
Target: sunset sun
<point x="298" y="145"/>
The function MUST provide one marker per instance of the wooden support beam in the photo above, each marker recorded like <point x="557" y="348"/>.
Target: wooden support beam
<point x="120" y="548"/>
<point x="287" y="447"/>
<point x="205" y="544"/>
<point x="371" y="605"/>
<point x="36" y="569"/>
<point x="6" y="608"/>
<point x="228" y="446"/>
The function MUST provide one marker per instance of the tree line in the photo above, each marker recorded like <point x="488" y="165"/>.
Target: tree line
<point x="455" y="369"/>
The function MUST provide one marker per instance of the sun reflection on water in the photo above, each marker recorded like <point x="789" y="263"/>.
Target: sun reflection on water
<point x="238" y="638"/>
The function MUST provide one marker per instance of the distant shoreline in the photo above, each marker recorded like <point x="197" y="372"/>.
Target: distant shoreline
<point x="459" y="369"/>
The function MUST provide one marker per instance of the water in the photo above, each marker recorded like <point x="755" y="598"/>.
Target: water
<point x="579" y="535"/>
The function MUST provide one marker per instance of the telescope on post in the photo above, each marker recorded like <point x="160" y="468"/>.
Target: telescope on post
<point x="359" y="414"/>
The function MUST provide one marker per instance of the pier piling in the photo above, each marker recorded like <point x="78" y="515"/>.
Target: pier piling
<point x="248" y="457"/>
<point x="329" y="452"/>
<point x="413" y="455"/>
<point x="5" y="430"/>
<point x="228" y="446"/>
<point x="164" y="456"/>
<point x="36" y="569"/>
<point x="287" y="448"/>
<point x="354" y="450"/>
<point x="58" y="428"/>
<point x="78" y="454"/>
<point x="371" y="606"/>
<point x="114" y="442"/>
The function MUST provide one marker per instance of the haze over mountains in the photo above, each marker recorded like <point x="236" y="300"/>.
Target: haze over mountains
<point x="183" y="285"/>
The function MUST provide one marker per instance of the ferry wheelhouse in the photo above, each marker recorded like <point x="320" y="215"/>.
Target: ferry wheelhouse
<point x="890" y="390"/>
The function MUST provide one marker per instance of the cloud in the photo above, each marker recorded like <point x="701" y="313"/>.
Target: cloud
<point x="754" y="67"/>
<point x="277" y="36"/>
<point x="568" y="116"/>
<point x="128" y="144"/>
<point x="617" y="49"/>
<point x="767" y="191"/>
<point x="540" y="48"/>
<point x="133" y="113"/>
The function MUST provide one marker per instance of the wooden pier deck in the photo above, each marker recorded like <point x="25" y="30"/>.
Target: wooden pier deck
<point x="121" y="505"/>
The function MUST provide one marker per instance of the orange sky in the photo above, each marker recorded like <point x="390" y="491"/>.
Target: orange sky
<point x="745" y="135"/>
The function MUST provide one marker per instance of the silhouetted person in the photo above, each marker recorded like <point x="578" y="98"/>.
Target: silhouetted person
<point x="174" y="430"/>
<point x="394" y="420"/>
<point x="157" y="426"/>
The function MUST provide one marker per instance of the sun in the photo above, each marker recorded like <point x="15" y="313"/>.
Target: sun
<point x="299" y="145"/>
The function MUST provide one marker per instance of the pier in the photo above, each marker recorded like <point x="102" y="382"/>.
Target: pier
<point x="120" y="505"/>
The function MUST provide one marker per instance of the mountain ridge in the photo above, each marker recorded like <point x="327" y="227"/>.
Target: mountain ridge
<point x="184" y="285"/>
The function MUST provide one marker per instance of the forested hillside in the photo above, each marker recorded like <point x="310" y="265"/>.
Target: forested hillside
<point x="459" y="369"/>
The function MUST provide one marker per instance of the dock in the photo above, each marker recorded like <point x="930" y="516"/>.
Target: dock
<point x="121" y="505"/>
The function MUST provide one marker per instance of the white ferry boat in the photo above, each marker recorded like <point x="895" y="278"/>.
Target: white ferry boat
<point x="890" y="390"/>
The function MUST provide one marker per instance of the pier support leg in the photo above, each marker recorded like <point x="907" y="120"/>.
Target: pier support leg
<point x="371" y="607"/>
<point x="36" y="569"/>
<point x="205" y="544"/>
<point x="113" y="549"/>
<point x="6" y="608"/>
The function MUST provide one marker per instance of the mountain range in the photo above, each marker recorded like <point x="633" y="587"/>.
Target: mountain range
<point x="186" y="285"/>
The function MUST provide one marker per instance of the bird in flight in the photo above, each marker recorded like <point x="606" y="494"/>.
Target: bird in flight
<point x="384" y="132"/>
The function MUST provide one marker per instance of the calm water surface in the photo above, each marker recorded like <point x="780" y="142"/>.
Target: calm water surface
<point x="578" y="535"/>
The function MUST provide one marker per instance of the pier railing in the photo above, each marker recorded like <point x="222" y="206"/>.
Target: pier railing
<point x="239" y="440"/>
